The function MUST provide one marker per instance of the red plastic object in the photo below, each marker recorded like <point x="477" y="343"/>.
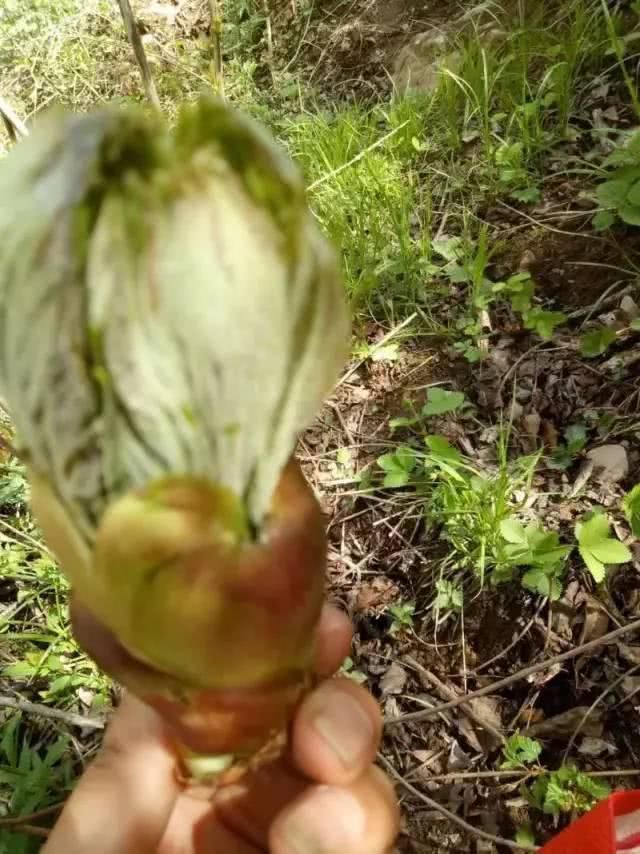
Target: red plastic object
<point x="613" y="827"/>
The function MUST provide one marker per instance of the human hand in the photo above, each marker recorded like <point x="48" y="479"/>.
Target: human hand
<point x="324" y="797"/>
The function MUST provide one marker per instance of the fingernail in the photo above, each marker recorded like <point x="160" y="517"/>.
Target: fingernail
<point x="328" y="821"/>
<point x="343" y="725"/>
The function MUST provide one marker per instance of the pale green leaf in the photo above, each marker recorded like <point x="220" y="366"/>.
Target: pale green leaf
<point x="596" y="342"/>
<point x="441" y="401"/>
<point x="611" y="551"/>
<point x="593" y="530"/>
<point x="629" y="214"/>
<point x="603" y="220"/>
<point x="513" y="531"/>
<point x="395" y="479"/>
<point x="440" y="447"/>
<point x="631" y="507"/>
<point x="633" y="196"/>
<point x="595" y="567"/>
<point x="612" y="194"/>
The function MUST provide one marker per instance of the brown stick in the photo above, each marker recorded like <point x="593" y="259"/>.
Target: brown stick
<point x="517" y="677"/>
<point x="448" y="694"/>
<point x="53" y="714"/>
<point x="522" y="774"/>
<point x="138" y="49"/>
<point x="460" y="822"/>
<point x="31" y="830"/>
<point x="593" y="705"/>
<point x="9" y="820"/>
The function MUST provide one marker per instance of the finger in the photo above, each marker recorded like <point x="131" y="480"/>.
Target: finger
<point x="123" y="802"/>
<point x="336" y="732"/>
<point x="195" y="828"/>
<point x="360" y="819"/>
<point x="333" y="641"/>
<point x="334" y="740"/>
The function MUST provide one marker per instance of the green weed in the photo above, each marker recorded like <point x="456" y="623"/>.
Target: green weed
<point x="566" y="790"/>
<point x="34" y="774"/>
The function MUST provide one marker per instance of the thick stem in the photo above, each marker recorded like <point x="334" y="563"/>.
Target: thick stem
<point x="216" y="45"/>
<point x="138" y="49"/>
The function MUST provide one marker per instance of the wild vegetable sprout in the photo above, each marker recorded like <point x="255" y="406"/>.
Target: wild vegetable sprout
<point x="170" y="319"/>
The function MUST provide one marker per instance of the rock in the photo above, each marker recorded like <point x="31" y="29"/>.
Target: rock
<point x="611" y="463"/>
<point x="394" y="680"/>
<point x="630" y="307"/>
<point x="418" y="64"/>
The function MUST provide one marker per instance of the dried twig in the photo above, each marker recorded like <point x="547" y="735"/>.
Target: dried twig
<point x="16" y="128"/>
<point x="28" y="818"/>
<point x="447" y="693"/>
<point x="460" y="822"/>
<point x="517" y="677"/>
<point x="384" y="340"/>
<point x="513" y="643"/>
<point x="31" y="830"/>
<point x="138" y="49"/>
<point x="69" y="718"/>
<point x="522" y="774"/>
<point x="609" y="688"/>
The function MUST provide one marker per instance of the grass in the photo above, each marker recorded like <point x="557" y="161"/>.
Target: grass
<point x="402" y="187"/>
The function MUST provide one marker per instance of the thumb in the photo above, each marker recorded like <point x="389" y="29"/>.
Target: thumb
<point x="124" y="800"/>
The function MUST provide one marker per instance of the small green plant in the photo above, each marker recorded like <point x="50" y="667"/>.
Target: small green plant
<point x="566" y="790"/>
<point x="520" y="751"/>
<point x="398" y="466"/>
<point x="440" y="402"/>
<point x="513" y="177"/>
<point x="449" y="596"/>
<point x="564" y="454"/>
<point x="468" y="507"/>
<point x="543" y="322"/>
<point x="525" y="836"/>
<point x="597" y="547"/>
<point x="35" y="774"/>
<point x="631" y="507"/>
<point x="596" y="341"/>
<point x="619" y="194"/>
<point x="402" y="614"/>
<point x="538" y="549"/>
<point x="349" y="670"/>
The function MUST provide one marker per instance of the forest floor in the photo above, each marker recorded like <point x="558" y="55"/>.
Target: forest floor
<point x="477" y="461"/>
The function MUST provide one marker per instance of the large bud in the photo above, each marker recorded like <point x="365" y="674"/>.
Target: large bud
<point x="170" y="319"/>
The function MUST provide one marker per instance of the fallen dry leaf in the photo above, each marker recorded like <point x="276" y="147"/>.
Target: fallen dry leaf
<point x="596" y="747"/>
<point x="631" y="654"/>
<point x="566" y="723"/>
<point x="596" y="620"/>
<point x="610" y="462"/>
<point x="394" y="680"/>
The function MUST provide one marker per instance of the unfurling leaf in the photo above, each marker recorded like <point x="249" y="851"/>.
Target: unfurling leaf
<point x="520" y="750"/>
<point x="171" y="318"/>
